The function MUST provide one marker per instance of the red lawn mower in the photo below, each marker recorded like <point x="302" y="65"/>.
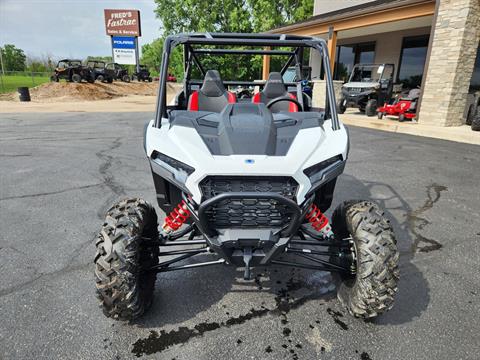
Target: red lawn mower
<point x="405" y="107"/>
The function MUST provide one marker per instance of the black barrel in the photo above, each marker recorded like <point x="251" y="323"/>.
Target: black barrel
<point x="24" y="94"/>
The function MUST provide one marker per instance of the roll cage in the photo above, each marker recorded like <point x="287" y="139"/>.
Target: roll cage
<point x="250" y="44"/>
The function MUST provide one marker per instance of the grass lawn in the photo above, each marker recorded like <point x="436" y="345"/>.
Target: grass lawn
<point x="10" y="83"/>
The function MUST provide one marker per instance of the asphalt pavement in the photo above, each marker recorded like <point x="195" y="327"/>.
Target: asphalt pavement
<point x="60" y="172"/>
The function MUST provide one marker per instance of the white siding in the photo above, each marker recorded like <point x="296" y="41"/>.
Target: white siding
<point x="326" y="6"/>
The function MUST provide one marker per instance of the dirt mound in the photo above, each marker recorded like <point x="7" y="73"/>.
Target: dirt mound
<point x="63" y="91"/>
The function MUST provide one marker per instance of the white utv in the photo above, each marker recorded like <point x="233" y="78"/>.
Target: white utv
<point x="369" y="86"/>
<point x="246" y="181"/>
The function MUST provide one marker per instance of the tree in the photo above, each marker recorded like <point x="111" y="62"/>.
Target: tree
<point x="14" y="59"/>
<point x="223" y="16"/>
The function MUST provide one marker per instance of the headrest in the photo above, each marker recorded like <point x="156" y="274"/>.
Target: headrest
<point x="212" y="84"/>
<point x="274" y="87"/>
<point x="414" y="93"/>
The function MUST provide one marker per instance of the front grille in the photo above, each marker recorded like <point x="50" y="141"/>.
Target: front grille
<point x="356" y="90"/>
<point x="261" y="212"/>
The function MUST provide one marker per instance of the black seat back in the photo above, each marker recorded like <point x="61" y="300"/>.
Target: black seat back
<point x="212" y="96"/>
<point x="274" y="88"/>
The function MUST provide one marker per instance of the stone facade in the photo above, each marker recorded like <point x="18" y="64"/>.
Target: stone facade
<point x="454" y="48"/>
<point x="319" y="93"/>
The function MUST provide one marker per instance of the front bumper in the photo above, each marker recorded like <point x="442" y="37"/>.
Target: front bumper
<point x="264" y="243"/>
<point x="356" y="100"/>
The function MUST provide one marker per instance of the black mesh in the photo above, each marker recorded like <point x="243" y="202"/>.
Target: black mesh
<point x="259" y="212"/>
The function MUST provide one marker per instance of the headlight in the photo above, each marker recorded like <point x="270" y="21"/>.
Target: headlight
<point x="325" y="170"/>
<point x="175" y="171"/>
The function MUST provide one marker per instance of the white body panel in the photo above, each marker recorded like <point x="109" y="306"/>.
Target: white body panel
<point x="311" y="146"/>
<point x="359" y="84"/>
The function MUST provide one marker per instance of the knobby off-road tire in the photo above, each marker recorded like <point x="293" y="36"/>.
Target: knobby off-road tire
<point x="341" y="108"/>
<point x="76" y="78"/>
<point x="126" y="246"/>
<point x="370" y="291"/>
<point x="470" y="114"/>
<point x="476" y="122"/>
<point x="371" y="107"/>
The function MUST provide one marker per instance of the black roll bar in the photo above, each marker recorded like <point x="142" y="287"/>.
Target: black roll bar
<point x="244" y="40"/>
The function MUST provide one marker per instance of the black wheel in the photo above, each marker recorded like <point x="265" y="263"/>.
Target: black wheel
<point x="470" y="115"/>
<point x="90" y="80"/>
<point x="371" y="107"/>
<point x="401" y="117"/>
<point x="126" y="246"/>
<point x="372" y="257"/>
<point x="76" y="78"/>
<point x="149" y="79"/>
<point x="380" y="115"/>
<point x="341" y="105"/>
<point x="100" y="78"/>
<point x="476" y="122"/>
<point x="110" y="80"/>
<point x="126" y="78"/>
<point x="54" y="78"/>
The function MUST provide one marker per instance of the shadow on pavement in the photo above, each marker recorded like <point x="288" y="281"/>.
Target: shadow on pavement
<point x="413" y="291"/>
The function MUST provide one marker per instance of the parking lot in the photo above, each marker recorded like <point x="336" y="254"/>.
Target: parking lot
<point x="60" y="172"/>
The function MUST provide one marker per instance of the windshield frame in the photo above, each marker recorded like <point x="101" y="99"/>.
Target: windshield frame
<point x="378" y="79"/>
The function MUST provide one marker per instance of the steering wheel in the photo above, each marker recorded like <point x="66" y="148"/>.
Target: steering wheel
<point x="284" y="98"/>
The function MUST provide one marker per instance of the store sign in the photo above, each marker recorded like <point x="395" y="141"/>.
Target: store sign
<point x="122" y="22"/>
<point x="124" y="50"/>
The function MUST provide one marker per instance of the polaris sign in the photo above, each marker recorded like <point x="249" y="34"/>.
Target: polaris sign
<point x="124" y="50"/>
<point x="123" y="27"/>
<point x="122" y="42"/>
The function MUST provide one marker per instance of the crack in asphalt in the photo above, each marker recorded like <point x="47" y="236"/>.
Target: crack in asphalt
<point x="63" y="270"/>
<point x="51" y="192"/>
<point x="108" y="178"/>
<point x="416" y="223"/>
<point x="15" y="155"/>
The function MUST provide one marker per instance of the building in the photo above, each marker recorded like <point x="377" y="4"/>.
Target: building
<point x="433" y="44"/>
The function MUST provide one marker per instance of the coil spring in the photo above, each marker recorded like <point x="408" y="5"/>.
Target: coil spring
<point x="176" y="218"/>
<point x="316" y="218"/>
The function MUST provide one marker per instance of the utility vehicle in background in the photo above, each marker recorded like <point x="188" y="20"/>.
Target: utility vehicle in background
<point x="143" y="74"/>
<point x="369" y="86"/>
<point x="100" y="71"/>
<point x="119" y="72"/>
<point x="72" y="70"/>
<point x="244" y="183"/>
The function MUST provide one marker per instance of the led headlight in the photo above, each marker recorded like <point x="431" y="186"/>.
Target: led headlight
<point x="173" y="170"/>
<point x="324" y="170"/>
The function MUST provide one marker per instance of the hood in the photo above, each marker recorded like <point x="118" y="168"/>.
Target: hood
<point x="359" y="84"/>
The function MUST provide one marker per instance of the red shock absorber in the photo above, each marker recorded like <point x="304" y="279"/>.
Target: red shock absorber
<point x="318" y="220"/>
<point x="176" y="218"/>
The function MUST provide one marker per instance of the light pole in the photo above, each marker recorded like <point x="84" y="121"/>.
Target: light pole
<point x="1" y="62"/>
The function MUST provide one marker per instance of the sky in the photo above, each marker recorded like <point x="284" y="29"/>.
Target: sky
<point x="68" y="28"/>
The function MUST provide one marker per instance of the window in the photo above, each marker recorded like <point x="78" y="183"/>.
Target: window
<point x="475" y="82"/>
<point x="412" y="61"/>
<point x="350" y="55"/>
